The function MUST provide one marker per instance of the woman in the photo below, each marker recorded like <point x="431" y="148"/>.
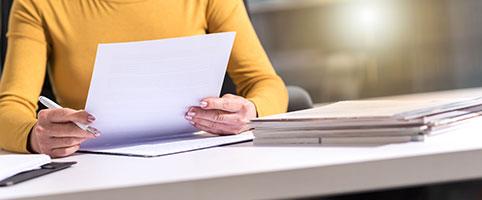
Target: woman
<point x="63" y="34"/>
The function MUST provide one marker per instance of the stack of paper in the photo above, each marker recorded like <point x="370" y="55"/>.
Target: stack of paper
<point x="13" y="164"/>
<point x="366" y="122"/>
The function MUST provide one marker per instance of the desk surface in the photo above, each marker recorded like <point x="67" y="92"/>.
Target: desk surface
<point x="247" y="172"/>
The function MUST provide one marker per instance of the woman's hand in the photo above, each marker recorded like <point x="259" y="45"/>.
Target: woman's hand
<point x="56" y="135"/>
<point x="223" y="116"/>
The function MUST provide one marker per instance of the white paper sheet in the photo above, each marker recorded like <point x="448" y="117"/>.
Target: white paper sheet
<point x="140" y="91"/>
<point x="196" y="141"/>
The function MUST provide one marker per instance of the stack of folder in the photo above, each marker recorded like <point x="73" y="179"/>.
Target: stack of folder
<point x="366" y="122"/>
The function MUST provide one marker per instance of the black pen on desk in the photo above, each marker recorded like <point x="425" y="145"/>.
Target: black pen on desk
<point x="52" y="105"/>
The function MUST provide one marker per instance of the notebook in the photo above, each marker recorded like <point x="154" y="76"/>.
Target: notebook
<point x="12" y="164"/>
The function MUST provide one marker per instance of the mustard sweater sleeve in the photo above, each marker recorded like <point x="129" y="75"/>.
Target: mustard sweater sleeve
<point x="23" y="75"/>
<point x="249" y="66"/>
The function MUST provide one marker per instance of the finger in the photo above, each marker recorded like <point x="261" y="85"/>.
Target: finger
<point x="226" y="104"/>
<point x="210" y="130"/>
<point x="68" y="129"/>
<point x="63" y="115"/>
<point x="215" y="131"/>
<point x="63" y="152"/>
<point x="218" y="128"/>
<point x="65" y="142"/>
<point x="215" y="116"/>
<point x="231" y="96"/>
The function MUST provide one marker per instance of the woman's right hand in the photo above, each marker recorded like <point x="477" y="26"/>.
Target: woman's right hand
<point x="56" y="135"/>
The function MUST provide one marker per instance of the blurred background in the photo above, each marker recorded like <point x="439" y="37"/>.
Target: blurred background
<point x="351" y="49"/>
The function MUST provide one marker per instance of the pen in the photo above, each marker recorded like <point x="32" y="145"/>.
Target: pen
<point x="52" y="105"/>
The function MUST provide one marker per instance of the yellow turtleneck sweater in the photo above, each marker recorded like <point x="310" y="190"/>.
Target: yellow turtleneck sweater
<point x="63" y="35"/>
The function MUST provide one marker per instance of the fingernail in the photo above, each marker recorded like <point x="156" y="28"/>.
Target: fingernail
<point x="193" y="123"/>
<point x="90" y="118"/>
<point x="188" y="117"/>
<point x="96" y="132"/>
<point x="203" y="104"/>
<point x="192" y="114"/>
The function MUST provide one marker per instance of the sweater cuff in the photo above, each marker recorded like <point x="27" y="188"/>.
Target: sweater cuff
<point x="17" y="140"/>
<point x="29" y="144"/>
<point x="24" y="139"/>
<point x="263" y="106"/>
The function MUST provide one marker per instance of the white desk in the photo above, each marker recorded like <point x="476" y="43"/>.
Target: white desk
<point x="247" y="172"/>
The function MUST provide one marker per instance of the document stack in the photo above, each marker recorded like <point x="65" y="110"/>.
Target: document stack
<point x="366" y="122"/>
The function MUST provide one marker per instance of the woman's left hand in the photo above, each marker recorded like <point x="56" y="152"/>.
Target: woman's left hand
<point x="227" y="115"/>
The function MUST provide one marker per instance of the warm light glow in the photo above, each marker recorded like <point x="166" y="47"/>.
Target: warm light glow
<point x="369" y="18"/>
<point x="368" y="22"/>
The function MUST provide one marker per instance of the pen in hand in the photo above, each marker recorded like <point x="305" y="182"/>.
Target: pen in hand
<point x="52" y="105"/>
